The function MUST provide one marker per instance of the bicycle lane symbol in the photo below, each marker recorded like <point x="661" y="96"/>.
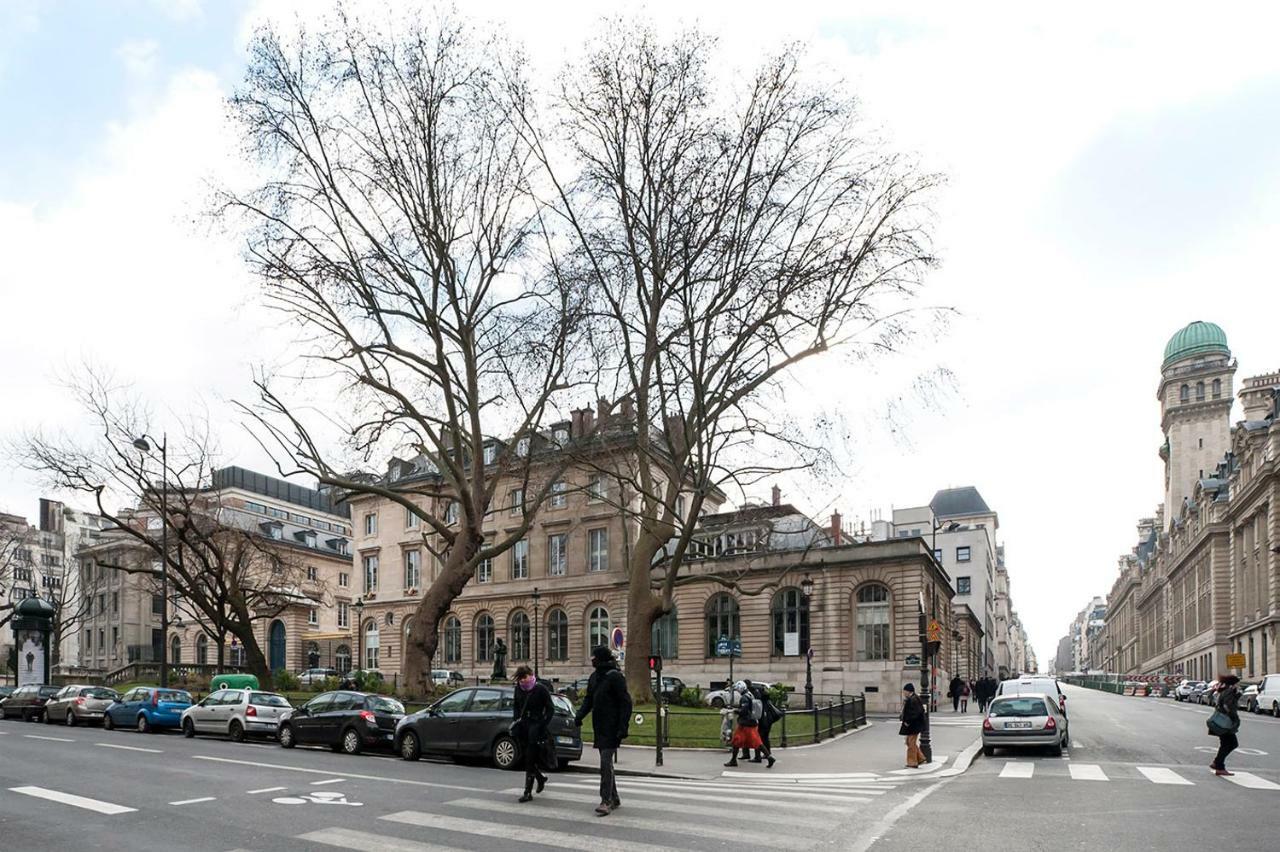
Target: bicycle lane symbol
<point x="326" y="797"/>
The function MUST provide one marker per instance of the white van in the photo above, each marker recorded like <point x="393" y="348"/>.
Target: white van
<point x="1269" y="695"/>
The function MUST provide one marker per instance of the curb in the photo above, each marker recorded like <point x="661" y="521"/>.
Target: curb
<point x="720" y="749"/>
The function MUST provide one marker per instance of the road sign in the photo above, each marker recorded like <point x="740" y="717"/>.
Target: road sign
<point x="913" y="660"/>
<point x="616" y="638"/>
<point x="726" y="647"/>
<point x="1235" y="661"/>
<point x="935" y="631"/>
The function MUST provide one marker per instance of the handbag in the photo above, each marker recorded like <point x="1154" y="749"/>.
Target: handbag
<point x="1220" y="723"/>
<point x="904" y="730"/>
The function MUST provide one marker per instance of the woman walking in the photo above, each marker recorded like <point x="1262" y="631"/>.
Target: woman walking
<point x="533" y="713"/>
<point x="746" y="735"/>
<point x="1225" y="722"/>
<point x="912" y="724"/>
<point x="768" y="715"/>
<point x="964" y="698"/>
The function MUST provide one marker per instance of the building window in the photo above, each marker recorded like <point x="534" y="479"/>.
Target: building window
<point x="1217" y="388"/>
<point x="520" y="560"/>
<point x="665" y="636"/>
<point x="519" y="633"/>
<point x="1199" y="391"/>
<point x="484" y="570"/>
<point x="342" y="658"/>
<point x="202" y="650"/>
<point x="344" y="579"/>
<point x="790" y="623"/>
<point x="557" y="557"/>
<point x="371" y="523"/>
<point x="517" y="501"/>
<point x="115" y="602"/>
<point x="313" y="616"/>
<point x="596" y="489"/>
<point x="452" y="639"/>
<point x="115" y="639"/>
<point x="484" y="637"/>
<point x="722" y="621"/>
<point x="371" y="644"/>
<point x="558" y="500"/>
<point x="963" y="585"/>
<point x="344" y="614"/>
<point x="962" y="554"/>
<point x="451" y="512"/>
<point x="1184" y="395"/>
<point x="873" y="623"/>
<point x="412" y="569"/>
<point x="561" y="435"/>
<point x="937" y="555"/>
<point x="557" y="635"/>
<point x="313" y="574"/>
<point x="370" y="574"/>
<point x="175" y="650"/>
<point x="410" y="519"/>
<point x="679" y="510"/>
<point x="157" y="604"/>
<point x="598" y="550"/>
<point x="597" y="628"/>
<point x="522" y="447"/>
<point x="102" y="639"/>
<point x="490" y="453"/>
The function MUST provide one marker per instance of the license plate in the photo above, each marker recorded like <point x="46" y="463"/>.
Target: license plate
<point x="1017" y="724"/>
<point x="564" y="740"/>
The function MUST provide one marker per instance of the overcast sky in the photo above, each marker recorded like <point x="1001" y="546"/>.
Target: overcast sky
<point x="1112" y="170"/>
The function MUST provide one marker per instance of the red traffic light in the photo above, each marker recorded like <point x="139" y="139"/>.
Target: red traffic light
<point x="655" y="663"/>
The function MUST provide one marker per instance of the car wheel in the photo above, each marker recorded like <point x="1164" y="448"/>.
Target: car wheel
<point x="506" y="752"/>
<point x="107" y="723"/>
<point x="1056" y="751"/>
<point x="188" y="728"/>
<point x="144" y="727"/>
<point x="717" y="702"/>
<point x="286" y="736"/>
<point x="409" y="748"/>
<point x="988" y="751"/>
<point x="351" y="743"/>
<point x="236" y="731"/>
<point x="71" y="719"/>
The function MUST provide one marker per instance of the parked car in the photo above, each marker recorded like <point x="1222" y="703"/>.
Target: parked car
<point x="27" y="702"/>
<point x="147" y="708"/>
<point x="236" y="713"/>
<point x="5" y="692"/>
<point x="1034" y="684"/>
<point x="1191" y="694"/>
<point x="671" y="687"/>
<point x="1248" y="698"/>
<point x="317" y="677"/>
<point x="476" y="722"/>
<point x="78" y="704"/>
<point x="343" y="720"/>
<point x="444" y="677"/>
<point x="1182" y="692"/>
<point x="574" y="690"/>
<point x="1023" y="721"/>
<point x="1209" y="694"/>
<point x="727" y="697"/>
<point x="1269" y="695"/>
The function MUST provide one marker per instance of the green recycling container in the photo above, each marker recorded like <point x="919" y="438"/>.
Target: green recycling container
<point x="234" y="681"/>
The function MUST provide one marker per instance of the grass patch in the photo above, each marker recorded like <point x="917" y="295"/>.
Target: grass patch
<point x="688" y="727"/>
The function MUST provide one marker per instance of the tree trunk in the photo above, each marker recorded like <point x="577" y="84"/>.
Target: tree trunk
<point x="255" y="660"/>
<point x="425" y="637"/>
<point x="643" y="609"/>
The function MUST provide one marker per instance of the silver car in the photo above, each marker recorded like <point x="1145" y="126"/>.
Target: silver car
<point x="1024" y="721"/>
<point x="236" y="713"/>
<point x="79" y="704"/>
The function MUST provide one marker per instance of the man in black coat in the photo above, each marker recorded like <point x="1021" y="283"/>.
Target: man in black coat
<point x="609" y="704"/>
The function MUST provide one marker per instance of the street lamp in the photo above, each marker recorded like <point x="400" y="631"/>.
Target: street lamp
<point x="536" y="629"/>
<point x="142" y="445"/>
<point x="806" y="589"/>
<point x="358" y="606"/>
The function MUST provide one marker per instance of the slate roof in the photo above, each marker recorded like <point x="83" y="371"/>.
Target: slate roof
<point x="956" y="502"/>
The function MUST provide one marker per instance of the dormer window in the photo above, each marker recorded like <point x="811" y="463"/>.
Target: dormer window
<point x="522" y="447"/>
<point x="561" y="435"/>
<point x="490" y="453"/>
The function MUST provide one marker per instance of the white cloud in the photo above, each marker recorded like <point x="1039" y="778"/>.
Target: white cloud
<point x="179" y="10"/>
<point x="139" y="57"/>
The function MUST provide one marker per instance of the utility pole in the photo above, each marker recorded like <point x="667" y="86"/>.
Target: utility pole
<point x="926" y="740"/>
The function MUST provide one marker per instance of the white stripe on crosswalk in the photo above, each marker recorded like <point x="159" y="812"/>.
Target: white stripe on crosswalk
<point x="1017" y="770"/>
<point x="1163" y="775"/>
<point x="1087" y="772"/>
<point x="762" y="788"/>
<point x="1253" y="782"/>
<point x="364" y="841"/>
<point x="765" y="819"/>
<point x="523" y="834"/>
<point x="802" y="776"/>
<point x="74" y="801"/>
<point x="733" y="796"/>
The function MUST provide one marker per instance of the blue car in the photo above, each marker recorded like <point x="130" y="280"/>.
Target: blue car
<point x="147" y="708"/>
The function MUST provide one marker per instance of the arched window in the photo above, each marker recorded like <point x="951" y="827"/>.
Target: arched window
<point x="236" y="655"/>
<point x="1184" y="395"/>
<point x="790" y="623"/>
<point x="452" y="639"/>
<point x="484" y="637"/>
<point x="518" y="630"/>
<point x="666" y="635"/>
<point x="1217" y="388"/>
<point x="276" y="646"/>
<point x="313" y="655"/>
<point x="371" y="643"/>
<point x="557" y="635"/>
<point x="597" y="627"/>
<point x="175" y="650"/>
<point x="1199" y="391"/>
<point x="342" y="658"/>
<point x="873" y="623"/>
<point x="202" y="650"/>
<point x="722" y="620"/>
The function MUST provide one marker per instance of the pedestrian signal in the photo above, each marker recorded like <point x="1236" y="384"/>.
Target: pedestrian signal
<point x="655" y="663"/>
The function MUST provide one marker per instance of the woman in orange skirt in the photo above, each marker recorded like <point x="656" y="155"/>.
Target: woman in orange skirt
<point x="747" y="734"/>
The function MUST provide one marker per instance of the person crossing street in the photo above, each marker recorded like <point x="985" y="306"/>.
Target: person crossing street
<point x="609" y="704"/>
<point x="533" y="712"/>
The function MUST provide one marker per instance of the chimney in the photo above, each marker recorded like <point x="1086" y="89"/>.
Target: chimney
<point x="603" y="408"/>
<point x="837" y="536"/>
<point x="575" y="419"/>
<point x="628" y="409"/>
<point x="588" y="420"/>
<point x="777" y="496"/>
<point x="1256" y="396"/>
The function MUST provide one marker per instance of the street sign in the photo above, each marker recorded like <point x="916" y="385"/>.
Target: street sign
<point x="935" y="631"/>
<point x="726" y="647"/>
<point x="913" y="660"/>
<point x="1235" y="661"/>
<point x="616" y="638"/>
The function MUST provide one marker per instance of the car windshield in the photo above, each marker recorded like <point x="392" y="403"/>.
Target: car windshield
<point x="267" y="699"/>
<point x="563" y="705"/>
<point x="173" y="696"/>
<point x="1019" y="707"/>
<point x="100" y="692"/>
<point x="382" y="704"/>
<point x="49" y="691"/>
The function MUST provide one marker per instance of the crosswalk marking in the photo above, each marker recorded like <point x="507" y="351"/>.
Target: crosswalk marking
<point x="364" y="841"/>
<point x="1163" y="775"/>
<point x="732" y="796"/>
<point x="923" y="768"/>
<point x="1087" y="772"/>
<point x="1253" y="782"/>
<point x="1018" y="770"/>
<point x="764" y="788"/>
<point x="74" y="801"/>
<point x="765" y="819"/>
<point x="266" y="790"/>
<point x="800" y="776"/>
<point x="193" y="801"/>
<point x="521" y="833"/>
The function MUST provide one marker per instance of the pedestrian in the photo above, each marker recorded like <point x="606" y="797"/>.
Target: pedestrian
<point x="953" y="692"/>
<point x="964" y="698"/>
<point x="533" y="713"/>
<point x="746" y="735"/>
<point x="768" y="715"/>
<point x="1225" y="722"/>
<point x="609" y="704"/>
<point x="912" y="724"/>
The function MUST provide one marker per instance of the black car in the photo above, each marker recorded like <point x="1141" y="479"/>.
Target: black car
<point x="671" y="687"/>
<point x="476" y="722"/>
<point x="27" y="702"/>
<point x="344" y="720"/>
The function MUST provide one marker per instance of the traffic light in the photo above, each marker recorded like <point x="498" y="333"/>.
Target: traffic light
<point x="655" y="663"/>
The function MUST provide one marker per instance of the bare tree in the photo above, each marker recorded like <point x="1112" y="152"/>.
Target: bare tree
<point x="728" y="231"/>
<point x="397" y="224"/>
<point x="228" y="574"/>
<point x="15" y="561"/>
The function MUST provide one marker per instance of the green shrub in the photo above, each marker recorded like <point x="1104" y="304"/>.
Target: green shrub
<point x="690" y="696"/>
<point x="329" y="684"/>
<point x="368" y="681"/>
<point x="285" y="681"/>
<point x="779" y="694"/>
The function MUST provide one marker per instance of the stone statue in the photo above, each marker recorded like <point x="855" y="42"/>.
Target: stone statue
<point x="500" y="660"/>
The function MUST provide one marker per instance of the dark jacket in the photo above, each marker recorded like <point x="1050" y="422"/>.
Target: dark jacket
<point x="609" y="704"/>
<point x="533" y="713"/>
<point x="746" y="710"/>
<point x="1229" y="702"/>
<point x="913" y="715"/>
<point x="770" y="714"/>
<point x="953" y="689"/>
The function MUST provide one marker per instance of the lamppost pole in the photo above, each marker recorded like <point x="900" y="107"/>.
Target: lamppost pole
<point x="142" y="445"/>
<point x="536" y="628"/>
<point x="358" y="606"/>
<point x="806" y="589"/>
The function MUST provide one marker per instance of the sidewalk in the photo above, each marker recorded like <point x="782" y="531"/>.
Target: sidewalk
<point x="873" y="750"/>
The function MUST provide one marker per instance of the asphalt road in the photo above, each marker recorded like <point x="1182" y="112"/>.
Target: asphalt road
<point x="1135" y="777"/>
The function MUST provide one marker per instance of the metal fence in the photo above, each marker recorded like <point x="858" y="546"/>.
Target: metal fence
<point x="829" y="716"/>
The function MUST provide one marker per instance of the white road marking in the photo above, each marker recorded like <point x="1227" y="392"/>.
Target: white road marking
<point x="802" y="776"/>
<point x="51" y="739"/>
<point x="266" y="790"/>
<point x="1087" y="772"/>
<point x="732" y="796"/>
<point x="75" y="801"/>
<point x="1018" y="770"/>
<point x="1160" y="775"/>
<point x="886" y="824"/>
<point x="524" y="834"/>
<point x="761" y="789"/>
<point x="765" y="820"/>
<point x="194" y="801"/>
<point x="328" y="781"/>
<point x="922" y="769"/>
<point x="1253" y="782"/>
<point x="364" y="841"/>
<point x="130" y="748"/>
<point x="350" y="775"/>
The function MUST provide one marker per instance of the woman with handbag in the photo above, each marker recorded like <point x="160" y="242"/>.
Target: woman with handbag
<point x="533" y="713"/>
<point x="1225" y="721"/>
<point x="746" y="735"/>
